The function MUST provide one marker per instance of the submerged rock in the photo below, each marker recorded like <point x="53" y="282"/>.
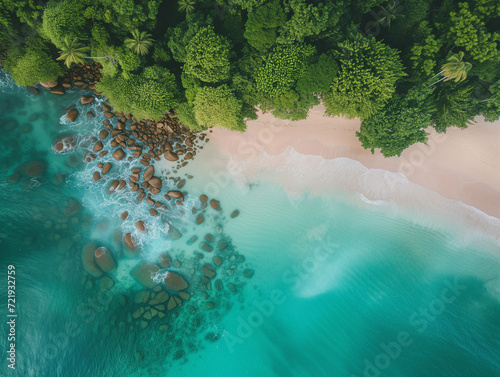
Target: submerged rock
<point x="175" y="282"/>
<point x="235" y="213"/>
<point x="104" y="259"/>
<point x="64" y="143"/>
<point x="215" y="204"/>
<point x="88" y="260"/>
<point x="144" y="273"/>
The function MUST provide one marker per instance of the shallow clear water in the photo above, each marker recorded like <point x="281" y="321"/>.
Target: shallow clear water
<point x="341" y="287"/>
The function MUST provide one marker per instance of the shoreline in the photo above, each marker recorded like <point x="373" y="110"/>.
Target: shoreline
<point x="459" y="165"/>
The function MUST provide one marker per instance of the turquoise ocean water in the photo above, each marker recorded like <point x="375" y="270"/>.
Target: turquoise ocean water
<point x="341" y="287"/>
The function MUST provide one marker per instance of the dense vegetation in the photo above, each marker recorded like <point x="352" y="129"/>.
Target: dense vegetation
<point x="400" y="67"/>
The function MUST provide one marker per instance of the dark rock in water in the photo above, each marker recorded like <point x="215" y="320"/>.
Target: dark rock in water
<point x="124" y="215"/>
<point x="112" y="187"/>
<point x="33" y="117"/>
<point x="171" y="156"/>
<point x="96" y="176"/>
<point x="130" y="241"/>
<point x="57" y="90"/>
<point x="98" y="146"/>
<point x="153" y="212"/>
<point x="144" y="273"/>
<point x="90" y="114"/>
<point x="72" y="207"/>
<point x="248" y="273"/>
<point x="106" y="107"/>
<point x="14" y="178"/>
<point x="106" y="283"/>
<point x="217" y="261"/>
<point x="104" y="259"/>
<point x="33" y="90"/>
<point x="175" y="282"/>
<point x="206" y="247"/>
<point x="71" y="115"/>
<point x="164" y="260"/>
<point x="64" y="143"/>
<point x="212" y="337"/>
<point x="209" y="237"/>
<point x="181" y="184"/>
<point x="108" y="114"/>
<point x="192" y="240"/>
<point x="34" y="168"/>
<point x="215" y="204"/>
<point x="86" y="99"/>
<point x="89" y="261"/>
<point x="148" y="174"/>
<point x="208" y="270"/>
<point x="203" y="198"/>
<point x="222" y="245"/>
<point x="119" y="154"/>
<point x="26" y="128"/>
<point x="140" y="225"/>
<point x="155" y="182"/>
<point x="106" y="167"/>
<point x="235" y="213"/>
<point x="175" y="194"/>
<point x="200" y="218"/>
<point x="103" y="134"/>
<point x="173" y="233"/>
<point x="134" y="177"/>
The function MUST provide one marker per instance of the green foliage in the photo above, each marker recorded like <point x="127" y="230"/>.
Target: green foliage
<point x="185" y="114"/>
<point x="140" y="42"/>
<point x="218" y="107"/>
<point x="490" y="107"/>
<point x="62" y="19"/>
<point x="180" y="36"/>
<point x="72" y="52"/>
<point x="368" y="73"/>
<point x="456" y="69"/>
<point x="424" y="53"/>
<point x="186" y="6"/>
<point x="146" y="96"/>
<point x="283" y="67"/>
<point x="401" y="123"/>
<point x="244" y="4"/>
<point x="263" y="23"/>
<point x="318" y="77"/>
<point x="34" y="66"/>
<point x="453" y="106"/>
<point x="208" y="56"/>
<point x="309" y="19"/>
<point x="129" y="61"/>
<point x="100" y="35"/>
<point x="469" y="32"/>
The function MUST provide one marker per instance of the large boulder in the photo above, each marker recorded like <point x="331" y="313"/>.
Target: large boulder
<point x="175" y="282"/>
<point x="88" y="260"/>
<point x="144" y="274"/>
<point x="131" y="244"/>
<point x="172" y="232"/>
<point x="33" y="168"/>
<point x="57" y="90"/>
<point x="86" y="99"/>
<point x="71" y="115"/>
<point x="155" y="182"/>
<point x="104" y="259"/>
<point x="215" y="204"/>
<point x="149" y="173"/>
<point x="64" y="143"/>
<point x="119" y="154"/>
<point x="208" y="270"/>
<point x="171" y="156"/>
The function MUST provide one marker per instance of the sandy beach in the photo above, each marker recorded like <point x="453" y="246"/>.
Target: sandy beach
<point x="462" y="165"/>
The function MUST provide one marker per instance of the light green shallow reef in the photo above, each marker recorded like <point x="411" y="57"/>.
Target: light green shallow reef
<point x="338" y="289"/>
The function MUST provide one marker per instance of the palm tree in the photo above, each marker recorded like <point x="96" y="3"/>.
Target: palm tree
<point x="455" y="69"/>
<point x="186" y="5"/>
<point x="390" y="13"/>
<point x="140" y="42"/>
<point x="73" y="52"/>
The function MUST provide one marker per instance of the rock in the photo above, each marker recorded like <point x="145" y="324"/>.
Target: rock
<point x="138" y="313"/>
<point x="33" y="90"/>
<point x="88" y="260"/>
<point x="215" y="204"/>
<point x="209" y="237"/>
<point x="105" y="260"/>
<point x="235" y="213"/>
<point x="188" y="156"/>
<point x="173" y="233"/>
<point x="200" y="219"/>
<point x="106" y="107"/>
<point x="106" y="283"/>
<point x="248" y="273"/>
<point x="103" y="134"/>
<point x="86" y="99"/>
<point x="130" y="241"/>
<point x="96" y="176"/>
<point x="153" y="212"/>
<point x="57" y="90"/>
<point x="112" y="187"/>
<point x="144" y="324"/>
<point x="134" y="177"/>
<point x="26" y="128"/>
<point x="171" y="156"/>
<point x="118" y="154"/>
<point x="141" y="297"/>
<point x="90" y="114"/>
<point x="209" y="305"/>
<point x="71" y="115"/>
<point x="14" y="178"/>
<point x="175" y="282"/>
<point x="184" y="295"/>
<point x="192" y="240"/>
<point x="203" y="198"/>
<point x="33" y="168"/>
<point x="222" y="245"/>
<point x="217" y="261"/>
<point x="144" y="273"/>
<point x="175" y="194"/>
<point x="164" y="260"/>
<point x="98" y="146"/>
<point x="171" y="303"/>
<point x="208" y="270"/>
<point x="140" y="225"/>
<point x="64" y="143"/>
<point x="149" y="173"/>
<point x="48" y="84"/>
<point x="206" y="247"/>
<point x="124" y="215"/>
<point x="106" y="167"/>
<point x="108" y="114"/>
<point x="155" y="182"/>
<point x="160" y="298"/>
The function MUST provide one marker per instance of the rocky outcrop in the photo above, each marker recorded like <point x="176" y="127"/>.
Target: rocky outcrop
<point x="104" y="259"/>
<point x="71" y="115"/>
<point x="144" y="274"/>
<point x="175" y="282"/>
<point x="88" y="260"/>
<point x="84" y="100"/>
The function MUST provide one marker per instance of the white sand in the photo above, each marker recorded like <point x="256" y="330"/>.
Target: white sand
<point x="462" y="164"/>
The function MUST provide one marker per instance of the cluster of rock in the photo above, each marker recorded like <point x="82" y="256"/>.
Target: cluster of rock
<point x="84" y="76"/>
<point x="98" y="261"/>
